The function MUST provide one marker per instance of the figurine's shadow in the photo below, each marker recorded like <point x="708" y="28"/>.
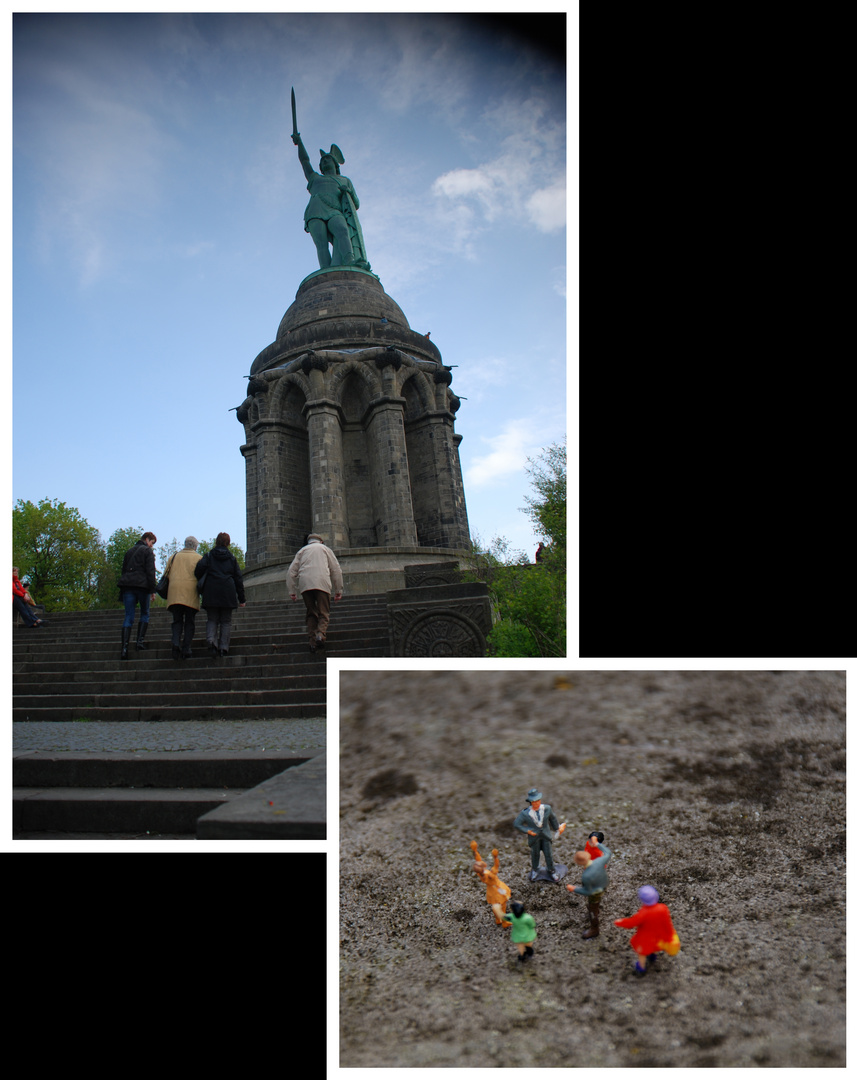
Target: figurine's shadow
<point x="542" y="874"/>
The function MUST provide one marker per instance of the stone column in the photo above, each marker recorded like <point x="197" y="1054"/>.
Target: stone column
<point x="327" y="475"/>
<point x="394" y="510"/>
<point x="248" y="451"/>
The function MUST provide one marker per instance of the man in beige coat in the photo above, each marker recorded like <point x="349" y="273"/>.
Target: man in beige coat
<point x="183" y="596"/>
<point x="315" y="573"/>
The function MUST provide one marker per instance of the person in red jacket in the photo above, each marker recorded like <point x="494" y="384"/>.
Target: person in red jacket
<point x="655" y="931"/>
<point x="21" y="602"/>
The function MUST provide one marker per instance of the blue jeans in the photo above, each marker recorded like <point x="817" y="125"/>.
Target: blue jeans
<point x="131" y="598"/>
<point x="20" y="605"/>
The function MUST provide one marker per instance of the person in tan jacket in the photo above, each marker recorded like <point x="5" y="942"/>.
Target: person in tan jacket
<point x="316" y="574"/>
<point x="183" y="596"/>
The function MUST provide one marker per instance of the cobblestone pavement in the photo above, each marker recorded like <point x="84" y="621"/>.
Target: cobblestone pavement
<point x="237" y="735"/>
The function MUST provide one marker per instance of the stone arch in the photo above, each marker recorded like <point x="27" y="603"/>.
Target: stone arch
<point x="417" y="392"/>
<point x="344" y="376"/>
<point x="287" y="397"/>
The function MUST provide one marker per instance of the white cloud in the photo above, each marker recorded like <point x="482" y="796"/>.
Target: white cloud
<point x="519" y="440"/>
<point x="546" y="208"/>
<point x="524" y="183"/>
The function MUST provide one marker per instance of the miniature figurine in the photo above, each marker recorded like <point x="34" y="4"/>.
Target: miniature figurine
<point x="536" y="822"/>
<point x="523" y="931"/>
<point x="591" y="847"/>
<point x="593" y="880"/>
<point x="655" y="931"/>
<point x="499" y="894"/>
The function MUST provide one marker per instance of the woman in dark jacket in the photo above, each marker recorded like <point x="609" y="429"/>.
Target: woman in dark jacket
<point x="222" y="592"/>
<point x="137" y="586"/>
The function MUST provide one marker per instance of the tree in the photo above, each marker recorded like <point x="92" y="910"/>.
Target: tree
<point x="548" y="512"/>
<point x="59" y="552"/>
<point x="531" y="598"/>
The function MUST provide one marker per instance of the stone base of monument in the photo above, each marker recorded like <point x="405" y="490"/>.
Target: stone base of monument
<point x="370" y="570"/>
<point x="542" y="875"/>
<point x="443" y="620"/>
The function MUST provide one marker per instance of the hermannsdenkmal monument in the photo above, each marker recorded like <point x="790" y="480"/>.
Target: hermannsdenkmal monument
<point x="349" y="418"/>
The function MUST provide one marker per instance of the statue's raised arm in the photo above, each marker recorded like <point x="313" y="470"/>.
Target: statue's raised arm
<point x="331" y="214"/>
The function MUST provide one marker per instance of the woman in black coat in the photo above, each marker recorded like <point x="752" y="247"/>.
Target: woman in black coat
<point x="222" y="592"/>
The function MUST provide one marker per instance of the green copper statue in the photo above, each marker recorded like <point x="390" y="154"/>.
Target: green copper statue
<point x="331" y="214"/>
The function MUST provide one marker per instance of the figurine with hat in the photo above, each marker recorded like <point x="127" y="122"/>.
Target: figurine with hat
<point x="539" y="824"/>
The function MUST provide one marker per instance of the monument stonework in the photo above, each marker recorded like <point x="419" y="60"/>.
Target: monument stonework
<point x="349" y="420"/>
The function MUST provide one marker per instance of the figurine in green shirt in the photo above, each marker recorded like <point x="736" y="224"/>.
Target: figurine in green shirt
<point x="523" y="930"/>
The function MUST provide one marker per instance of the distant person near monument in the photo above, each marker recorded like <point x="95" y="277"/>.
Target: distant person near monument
<point x="331" y="214"/>
<point x="315" y="573"/>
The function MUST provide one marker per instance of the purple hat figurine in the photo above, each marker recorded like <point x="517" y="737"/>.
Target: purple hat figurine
<point x="648" y="894"/>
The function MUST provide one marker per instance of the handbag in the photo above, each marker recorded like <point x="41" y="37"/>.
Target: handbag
<point x="163" y="586"/>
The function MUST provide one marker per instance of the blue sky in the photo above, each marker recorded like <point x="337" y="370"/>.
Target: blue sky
<point x="158" y="239"/>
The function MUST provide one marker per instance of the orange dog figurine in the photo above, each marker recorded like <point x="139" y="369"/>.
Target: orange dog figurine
<point x="499" y="894"/>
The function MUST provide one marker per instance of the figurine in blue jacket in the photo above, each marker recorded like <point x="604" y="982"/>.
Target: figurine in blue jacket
<point x="538" y="823"/>
<point x="593" y="880"/>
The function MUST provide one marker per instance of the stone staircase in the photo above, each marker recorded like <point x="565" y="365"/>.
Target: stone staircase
<point x="70" y="670"/>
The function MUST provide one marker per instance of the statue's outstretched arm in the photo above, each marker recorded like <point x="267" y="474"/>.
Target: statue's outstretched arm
<point x="303" y="157"/>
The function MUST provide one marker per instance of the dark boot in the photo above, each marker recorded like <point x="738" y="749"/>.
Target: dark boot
<point x="187" y="638"/>
<point x="176" y="641"/>
<point x="126" y="637"/>
<point x="593" y="921"/>
<point x="141" y="633"/>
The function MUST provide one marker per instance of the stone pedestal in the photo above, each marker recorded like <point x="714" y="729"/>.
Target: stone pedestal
<point x="349" y="425"/>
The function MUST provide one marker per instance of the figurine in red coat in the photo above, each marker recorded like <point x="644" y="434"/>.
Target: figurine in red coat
<point x="655" y="931"/>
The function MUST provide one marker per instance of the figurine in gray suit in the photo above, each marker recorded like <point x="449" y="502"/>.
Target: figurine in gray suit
<point x="539" y="824"/>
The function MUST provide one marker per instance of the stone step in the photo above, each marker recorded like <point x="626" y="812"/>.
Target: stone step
<point x="131" y="710"/>
<point x="183" y="677"/>
<point x="293" y="621"/>
<point x="52" y="653"/>
<point x="184" y="769"/>
<point x="213" y="796"/>
<point x="150" y="698"/>
<point x="151" y="664"/>
<point x="114" y="810"/>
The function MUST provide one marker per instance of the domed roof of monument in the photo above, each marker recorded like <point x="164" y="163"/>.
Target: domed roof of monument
<point x="340" y="294"/>
<point x="343" y="309"/>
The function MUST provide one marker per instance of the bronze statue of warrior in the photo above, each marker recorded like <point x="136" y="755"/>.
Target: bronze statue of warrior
<point x="331" y="214"/>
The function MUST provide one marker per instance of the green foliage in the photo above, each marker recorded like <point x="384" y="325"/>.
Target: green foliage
<point x="548" y="511"/>
<point x="68" y="566"/>
<point x="530" y="598"/>
<point x="59" y="552"/>
<point x="163" y="553"/>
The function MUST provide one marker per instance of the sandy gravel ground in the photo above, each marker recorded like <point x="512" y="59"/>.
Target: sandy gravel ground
<point x="724" y="790"/>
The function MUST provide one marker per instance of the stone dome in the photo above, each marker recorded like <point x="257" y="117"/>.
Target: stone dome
<point x="340" y="309"/>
